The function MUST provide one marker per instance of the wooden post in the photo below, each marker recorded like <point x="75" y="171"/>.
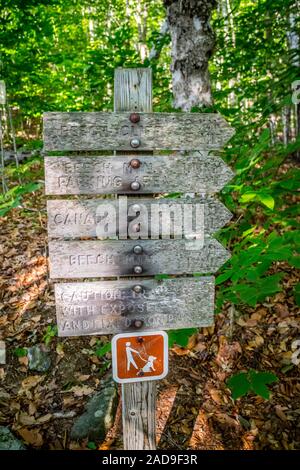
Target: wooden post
<point x="133" y="92"/>
<point x="120" y="131"/>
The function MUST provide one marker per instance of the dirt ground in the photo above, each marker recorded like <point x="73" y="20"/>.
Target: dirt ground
<point x="194" y="407"/>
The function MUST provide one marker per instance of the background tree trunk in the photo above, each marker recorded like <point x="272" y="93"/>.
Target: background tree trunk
<point x="294" y="43"/>
<point x="192" y="45"/>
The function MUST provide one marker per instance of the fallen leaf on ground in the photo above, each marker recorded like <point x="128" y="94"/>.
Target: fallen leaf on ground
<point x="216" y="395"/>
<point x="31" y="436"/>
<point x="31" y="381"/>
<point x="280" y="413"/>
<point x="180" y="351"/>
<point x="26" y="419"/>
<point x="81" y="391"/>
<point x="44" y="419"/>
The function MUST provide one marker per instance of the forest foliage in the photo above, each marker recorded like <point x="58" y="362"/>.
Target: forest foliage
<point x="61" y="55"/>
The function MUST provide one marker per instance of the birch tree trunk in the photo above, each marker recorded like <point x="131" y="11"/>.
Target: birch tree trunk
<point x="286" y="120"/>
<point x="192" y="45"/>
<point x="294" y="44"/>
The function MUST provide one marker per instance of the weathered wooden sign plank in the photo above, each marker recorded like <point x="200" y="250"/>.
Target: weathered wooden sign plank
<point x="93" y="217"/>
<point x="115" y="306"/>
<point x="96" y="258"/>
<point x="154" y="131"/>
<point x="198" y="173"/>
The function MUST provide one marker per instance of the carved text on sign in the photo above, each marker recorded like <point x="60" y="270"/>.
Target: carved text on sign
<point x="111" y="306"/>
<point x="80" y="259"/>
<point x="96" y="131"/>
<point x="71" y="219"/>
<point x="198" y="173"/>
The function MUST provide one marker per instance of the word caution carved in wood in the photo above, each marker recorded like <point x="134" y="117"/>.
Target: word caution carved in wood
<point x="114" y="306"/>
<point x="147" y="236"/>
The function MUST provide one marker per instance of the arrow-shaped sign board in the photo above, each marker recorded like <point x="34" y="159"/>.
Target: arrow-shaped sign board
<point x="89" y="308"/>
<point x="155" y="174"/>
<point x="96" y="258"/>
<point x="111" y="218"/>
<point x="153" y="131"/>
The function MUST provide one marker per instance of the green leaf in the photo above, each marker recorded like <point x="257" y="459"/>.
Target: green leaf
<point x="158" y="277"/>
<point x="243" y="382"/>
<point x="248" y="294"/>
<point x="295" y="261"/>
<point x="267" y="200"/>
<point x="249" y="196"/>
<point x="50" y="333"/>
<point x="297" y="293"/>
<point x="223" y="277"/>
<point x="102" y="350"/>
<point x="269" y="285"/>
<point x="259" y="382"/>
<point x="20" y="352"/>
<point x="289" y="184"/>
<point x="91" y="445"/>
<point x="180" y="337"/>
<point x="239" y="385"/>
<point x="281" y="254"/>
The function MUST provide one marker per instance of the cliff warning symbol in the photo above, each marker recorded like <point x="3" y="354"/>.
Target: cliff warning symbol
<point x="138" y="357"/>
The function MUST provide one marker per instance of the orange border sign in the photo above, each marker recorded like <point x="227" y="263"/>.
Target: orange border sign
<point x="137" y="357"/>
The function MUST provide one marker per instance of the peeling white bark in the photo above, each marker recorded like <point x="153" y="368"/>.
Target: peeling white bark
<point x="192" y="45"/>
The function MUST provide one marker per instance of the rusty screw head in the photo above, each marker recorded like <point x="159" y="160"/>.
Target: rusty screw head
<point x="137" y="289"/>
<point x="137" y="269"/>
<point x="135" y="142"/>
<point x="135" y="163"/>
<point x="140" y="373"/>
<point x="135" y="186"/>
<point x="137" y="249"/>
<point x="137" y="323"/>
<point x="134" y="118"/>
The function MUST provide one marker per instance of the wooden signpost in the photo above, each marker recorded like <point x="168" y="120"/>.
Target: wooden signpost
<point x="108" y="238"/>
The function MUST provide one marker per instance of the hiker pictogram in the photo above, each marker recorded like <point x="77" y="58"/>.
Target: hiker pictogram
<point x="139" y="357"/>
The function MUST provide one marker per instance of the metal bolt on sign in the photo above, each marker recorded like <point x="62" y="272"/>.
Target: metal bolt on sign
<point x="135" y="143"/>
<point x="135" y="185"/>
<point x="135" y="163"/>
<point x="77" y="252"/>
<point x="138" y="250"/>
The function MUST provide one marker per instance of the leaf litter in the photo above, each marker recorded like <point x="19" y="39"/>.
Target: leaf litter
<point x="195" y="406"/>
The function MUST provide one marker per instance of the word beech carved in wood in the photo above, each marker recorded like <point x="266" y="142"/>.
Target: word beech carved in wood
<point x="154" y="131"/>
<point x="110" y="175"/>
<point x="112" y="306"/>
<point x="74" y="219"/>
<point x="113" y="249"/>
<point x="86" y="259"/>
